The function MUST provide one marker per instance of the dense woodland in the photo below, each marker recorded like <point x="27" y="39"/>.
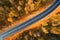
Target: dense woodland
<point x="52" y="32"/>
<point x="13" y="10"/>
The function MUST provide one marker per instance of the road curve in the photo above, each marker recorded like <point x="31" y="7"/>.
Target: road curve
<point x="31" y="21"/>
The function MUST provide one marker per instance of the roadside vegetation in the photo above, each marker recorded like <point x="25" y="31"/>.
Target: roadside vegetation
<point x="13" y="10"/>
<point x="48" y="31"/>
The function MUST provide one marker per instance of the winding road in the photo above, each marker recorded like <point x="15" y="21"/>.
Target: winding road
<point x="31" y="21"/>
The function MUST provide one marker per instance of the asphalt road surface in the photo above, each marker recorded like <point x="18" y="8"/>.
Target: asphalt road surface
<point x="31" y="21"/>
